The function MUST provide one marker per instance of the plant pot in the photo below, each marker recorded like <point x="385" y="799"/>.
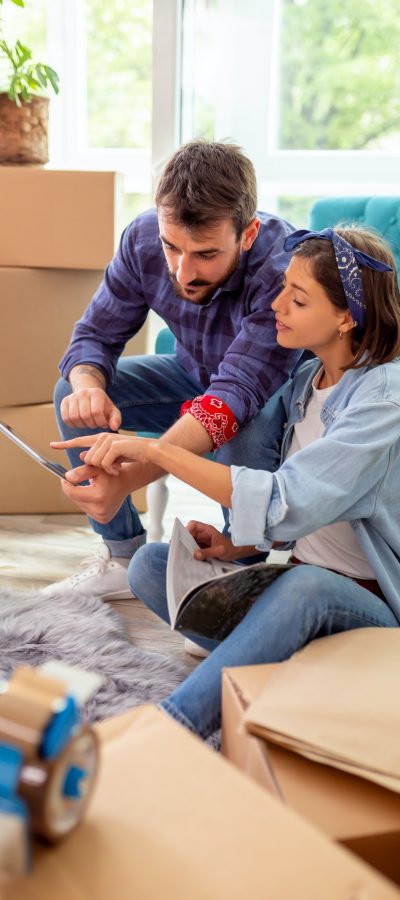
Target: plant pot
<point x="23" y="131"/>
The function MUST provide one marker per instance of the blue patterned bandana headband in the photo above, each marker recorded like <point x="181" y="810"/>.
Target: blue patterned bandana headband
<point x="348" y="261"/>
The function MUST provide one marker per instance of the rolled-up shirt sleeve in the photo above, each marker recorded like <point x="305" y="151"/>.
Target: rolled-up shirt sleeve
<point x="251" y="498"/>
<point x="334" y="479"/>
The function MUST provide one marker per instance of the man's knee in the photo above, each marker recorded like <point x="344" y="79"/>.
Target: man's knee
<point x="61" y="390"/>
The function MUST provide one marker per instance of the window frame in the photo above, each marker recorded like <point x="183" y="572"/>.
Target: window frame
<point x="280" y="172"/>
<point x="252" y="121"/>
<point x="68" y="114"/>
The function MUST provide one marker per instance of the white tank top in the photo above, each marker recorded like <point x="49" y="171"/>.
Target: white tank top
<point x="334" y="546"/>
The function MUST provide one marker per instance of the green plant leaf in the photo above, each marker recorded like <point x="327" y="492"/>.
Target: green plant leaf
<point x="27" y="78"/>
<point x="41" y="74"/>
<point x="23" y="53"/>
<point x="53" y="78"/>
<point x="33" y="83"/>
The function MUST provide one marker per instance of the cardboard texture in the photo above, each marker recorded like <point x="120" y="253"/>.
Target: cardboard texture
<point x="39" y="308"/>
<point x="25" y="486"/>
<point x="68" y="222"/>
<point x="333" y="702"/>
<point x="171" y="819"/>
<point x="361" y="815"/>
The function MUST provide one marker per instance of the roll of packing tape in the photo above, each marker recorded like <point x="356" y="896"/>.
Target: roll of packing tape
<point x="58" y="791"/>
<point x="27" y="703"/>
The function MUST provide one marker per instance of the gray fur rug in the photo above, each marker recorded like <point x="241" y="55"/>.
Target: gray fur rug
<point x="89" y="634"/>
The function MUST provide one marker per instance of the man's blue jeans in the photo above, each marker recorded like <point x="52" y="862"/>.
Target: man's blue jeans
<point x="304" y="603"/>
<point x="149" y="392"/>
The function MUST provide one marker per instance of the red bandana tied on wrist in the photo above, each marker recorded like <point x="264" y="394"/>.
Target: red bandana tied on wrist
<point x="214" y="415"/>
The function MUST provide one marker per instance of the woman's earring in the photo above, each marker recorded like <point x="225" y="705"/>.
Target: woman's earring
<point x="340" y="333"/>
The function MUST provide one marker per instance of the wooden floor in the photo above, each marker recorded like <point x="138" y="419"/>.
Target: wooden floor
<point x="37" y="550"/>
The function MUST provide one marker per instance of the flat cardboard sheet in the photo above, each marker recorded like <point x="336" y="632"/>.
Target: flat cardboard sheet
<point x="171" y="819"/>
<point x="336" y="701"/>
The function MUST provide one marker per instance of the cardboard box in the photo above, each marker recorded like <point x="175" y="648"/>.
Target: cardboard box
<point x="333" y="703"/>
<point x="25" y="486"/>
<point x="361" y="815"/>
<point x="67" y="219"/>
<point x="171" y="819"/>
<point x="39" y="308"/>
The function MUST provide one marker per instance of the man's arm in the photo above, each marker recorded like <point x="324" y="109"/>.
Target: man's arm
<point x="117" y="310"/>
<point x="186" y="433"/>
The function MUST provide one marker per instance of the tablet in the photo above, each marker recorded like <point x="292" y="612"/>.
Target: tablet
<point x="53" y="467"/>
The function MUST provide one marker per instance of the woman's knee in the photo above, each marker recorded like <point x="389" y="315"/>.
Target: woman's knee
<point x="310" y="580"/>
<point x="303" y="591"/>
<point x="147" y="576"/>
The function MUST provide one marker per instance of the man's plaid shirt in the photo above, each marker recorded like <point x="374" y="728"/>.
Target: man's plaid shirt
<point x="228" y="344"/>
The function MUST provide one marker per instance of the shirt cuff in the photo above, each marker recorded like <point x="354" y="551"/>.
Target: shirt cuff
<point x="251" y="496"/>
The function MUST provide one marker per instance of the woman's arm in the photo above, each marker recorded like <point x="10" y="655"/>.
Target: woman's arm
<point x="333" y="479"/>
<point x="336" y="478"/>
<point x="109" y="451"/>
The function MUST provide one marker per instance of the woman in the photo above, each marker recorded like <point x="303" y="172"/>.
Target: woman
<point x="334" y="496"/>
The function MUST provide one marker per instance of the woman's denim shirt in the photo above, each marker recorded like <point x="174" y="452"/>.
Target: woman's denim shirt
<point x="351" y="473"/>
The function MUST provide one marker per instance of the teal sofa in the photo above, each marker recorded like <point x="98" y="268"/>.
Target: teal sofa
<point x="381" y="213"/>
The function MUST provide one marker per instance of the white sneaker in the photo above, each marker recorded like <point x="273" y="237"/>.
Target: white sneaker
<point x="195" y="649"/>
<point x="101" y="576"/>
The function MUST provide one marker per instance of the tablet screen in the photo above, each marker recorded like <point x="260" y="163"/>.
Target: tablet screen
<point x="55" y="468"/>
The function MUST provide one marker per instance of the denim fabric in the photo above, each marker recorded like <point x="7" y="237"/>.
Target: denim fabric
<point x="351" y="474"/>
<point x="228" y="345"/>
<point x="304" y="603"/>
<point x="149" y="391"/>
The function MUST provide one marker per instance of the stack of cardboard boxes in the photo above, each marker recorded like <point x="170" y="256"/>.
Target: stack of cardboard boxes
<point x="57" y="235"/>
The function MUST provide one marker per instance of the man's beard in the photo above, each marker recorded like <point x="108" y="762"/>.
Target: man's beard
<point x="197" y="282"/>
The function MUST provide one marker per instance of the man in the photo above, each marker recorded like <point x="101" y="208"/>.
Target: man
<point x="210" y="267"/>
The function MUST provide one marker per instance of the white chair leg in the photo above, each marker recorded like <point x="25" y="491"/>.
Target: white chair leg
<point x="157" y="499"/>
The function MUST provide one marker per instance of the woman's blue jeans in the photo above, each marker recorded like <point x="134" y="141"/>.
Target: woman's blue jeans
<point x="304" y="603"/>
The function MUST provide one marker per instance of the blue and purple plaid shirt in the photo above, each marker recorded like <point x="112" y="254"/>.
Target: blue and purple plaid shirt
<point x="228" y="345"/>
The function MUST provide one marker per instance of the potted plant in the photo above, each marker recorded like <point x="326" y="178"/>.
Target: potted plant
<point x="23" y="103"/>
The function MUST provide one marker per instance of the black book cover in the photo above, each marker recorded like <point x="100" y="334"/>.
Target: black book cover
<point x="213" y="609"/>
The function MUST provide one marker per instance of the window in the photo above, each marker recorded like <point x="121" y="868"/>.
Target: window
<point x="310" y="90"/>
<point x="118" y="64"/>
<point x="118" y="59"/>
<point x="339" y="75"/>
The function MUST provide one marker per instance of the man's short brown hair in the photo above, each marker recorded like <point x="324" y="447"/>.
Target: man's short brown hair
<point x="205" y="182"/>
